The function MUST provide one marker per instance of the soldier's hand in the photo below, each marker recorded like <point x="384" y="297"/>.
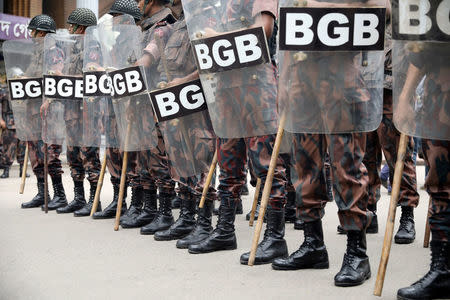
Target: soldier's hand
<point x="176" y="81"/>
<point x="44" y="109"/>
<point x="2" y="124"/>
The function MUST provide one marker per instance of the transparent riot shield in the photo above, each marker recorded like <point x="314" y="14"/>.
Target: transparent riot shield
<point x="188" y="135"/>
<point x="329" y="89"/>
<point x="133" y="111"/>
<point x="63" y="89"/>
<point x="426" y="114"/>
<point x="421" y="68"/>
<point x="23" y="62"/>
<point x="99" y="126"/>
<point x="239" y="83"/>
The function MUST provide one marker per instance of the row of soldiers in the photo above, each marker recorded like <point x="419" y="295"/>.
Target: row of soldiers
<point x="354" y="159"/>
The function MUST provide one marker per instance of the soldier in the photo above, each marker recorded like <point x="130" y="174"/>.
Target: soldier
<point x="151" y="166"/>
<point x="11" y="145"/>
<point x="424" y="56"/>
<point x="177" y="65"/>
<point x="40" y="26"/>
<point x="387" y="138"/>
<point x="114" y="157"/>
<point x="239" y="94"/>
<point x="317" y="90"/>
<point x="81" y="159"/>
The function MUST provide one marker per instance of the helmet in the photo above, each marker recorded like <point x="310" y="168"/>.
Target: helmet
<point x="128" y="7"/>
<point x="83" y="17"/>
<point x="42" y="23"/>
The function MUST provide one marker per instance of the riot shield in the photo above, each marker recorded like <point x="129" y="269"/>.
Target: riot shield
<point x="23" y="62"/>
<point x="231" y="52"/>
<point x="63" y="89"/>
<point x="421" y="60"/>
<point x="130" y="99"/>
<point x="331" y="75"/>
<point x="99" y="127"/>
<point x="179" y="103"/>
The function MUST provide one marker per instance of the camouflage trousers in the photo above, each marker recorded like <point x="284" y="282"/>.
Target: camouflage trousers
<point x="36" y="153"/>
<point x="114" y="163"/>
<point x="387" y="138"/>
<point x="349" y="177"/>
<point x="12" y="147"/>
<point x="194" y="185"/>
<point x="150" y="168"/>
<point x="84" y="160"/>
<point x="232" y="159"/>
<point x="437" y="182"/>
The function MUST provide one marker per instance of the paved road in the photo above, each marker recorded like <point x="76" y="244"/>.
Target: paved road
<point x="61" y="257"/>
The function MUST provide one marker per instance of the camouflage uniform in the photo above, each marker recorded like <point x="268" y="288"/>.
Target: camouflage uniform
<point x="179" y="60"/>
<point x="81" y="160"/>
<point x="346" y="150"/>
<point x="11" y="145"/>
<point x="387" y="138"/>
<point x="114" y="157"/>
<point x="153" y="163"/>
<point x="233" y="153"/>
<point x="436" y="152"/>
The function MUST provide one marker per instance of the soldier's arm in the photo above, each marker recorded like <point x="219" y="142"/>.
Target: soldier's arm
<point x="194" y="75"/>
<point x="413" y="77"/>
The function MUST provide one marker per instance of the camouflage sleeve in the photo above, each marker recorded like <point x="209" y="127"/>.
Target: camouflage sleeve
<point x="158" y="39"/>
<point x="266" y="6"/>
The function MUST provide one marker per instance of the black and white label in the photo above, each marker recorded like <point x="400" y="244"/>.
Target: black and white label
<point x="97" y="84"/>
<point x="22" y="89"/>
<point x="235" y="50"/>
<point x="421" y="20"/>
<point x="332" y="29"/>
<point x="178" y="101"/>
<point x="63" y="87"/>
<point x="127" y="82"/>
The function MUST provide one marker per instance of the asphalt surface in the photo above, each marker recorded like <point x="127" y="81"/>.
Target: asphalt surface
<point x="50" y="256"/>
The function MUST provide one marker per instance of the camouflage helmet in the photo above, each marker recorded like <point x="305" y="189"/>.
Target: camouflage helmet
<point x="128" y="7"/>
<point x="42" y="23"/>
<point x="83" y="17"/>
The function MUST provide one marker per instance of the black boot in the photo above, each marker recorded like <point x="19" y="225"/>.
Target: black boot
<point x="355" y="266"/>
<point x="185" y="223"/>
<point x="59" y="195"/>
<point x="406" y="231"/>
<point x="148" y="212"/>
<point x="78" y="201"/>
<point x="135" y="208"/>
<point x="86" y="210"/>
<point x="38" y="200"/>
<point x="273" y="244"/>
<point x="223" y="237"/>
<point x="21" y="171"/>
<point x="299" y="224"/>
<point x="163" y="219"/>
<point x="436" y="283"/>
<point x="312" y="254"/>
<point x="5" y="173"/>
<point x="176" y="202"/>
<point x="110" y="211"/>
<point x="239" y="209"/>
<point x="202" y="229"/>
<point x="290" y="209"/>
